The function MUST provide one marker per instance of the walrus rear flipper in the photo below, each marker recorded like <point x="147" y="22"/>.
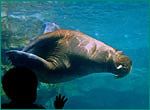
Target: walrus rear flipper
<point x="37" y="64"/>
<point x="20" y="58"/>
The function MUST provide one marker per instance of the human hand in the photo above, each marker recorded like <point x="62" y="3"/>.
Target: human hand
<point x="60" y="101"/>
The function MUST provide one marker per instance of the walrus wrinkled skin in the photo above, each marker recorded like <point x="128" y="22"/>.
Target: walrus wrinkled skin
<point x="64" y="55"/>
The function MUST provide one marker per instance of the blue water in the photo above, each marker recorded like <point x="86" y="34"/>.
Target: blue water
<point x="124" y="25"/>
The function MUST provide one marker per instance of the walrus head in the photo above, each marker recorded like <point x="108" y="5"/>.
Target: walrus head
<point x="122" y="65"/>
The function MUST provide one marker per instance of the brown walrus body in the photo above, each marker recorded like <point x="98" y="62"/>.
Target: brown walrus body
<point x="64" y="55"/>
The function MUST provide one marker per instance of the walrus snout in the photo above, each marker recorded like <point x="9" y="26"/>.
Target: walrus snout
<point x="123" y="66"/>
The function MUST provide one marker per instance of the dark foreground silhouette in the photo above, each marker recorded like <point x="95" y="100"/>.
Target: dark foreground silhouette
<point x="20" y="85"/>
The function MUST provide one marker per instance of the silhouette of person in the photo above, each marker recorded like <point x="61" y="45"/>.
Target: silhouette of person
<point x="20" y="85"/>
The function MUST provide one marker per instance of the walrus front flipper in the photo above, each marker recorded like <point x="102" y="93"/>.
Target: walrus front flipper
<point x="50" y="27"/>
<point x="49" y="38"/>
<point x="20" y="58"/>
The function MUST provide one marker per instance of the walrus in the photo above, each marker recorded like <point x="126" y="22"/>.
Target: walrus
<point x="64" y="55"/>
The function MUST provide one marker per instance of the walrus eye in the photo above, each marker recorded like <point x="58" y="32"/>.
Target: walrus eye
<point x="120" y="66"/>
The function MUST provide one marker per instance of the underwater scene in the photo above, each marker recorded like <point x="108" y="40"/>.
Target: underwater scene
<point x="123" y="25"/>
